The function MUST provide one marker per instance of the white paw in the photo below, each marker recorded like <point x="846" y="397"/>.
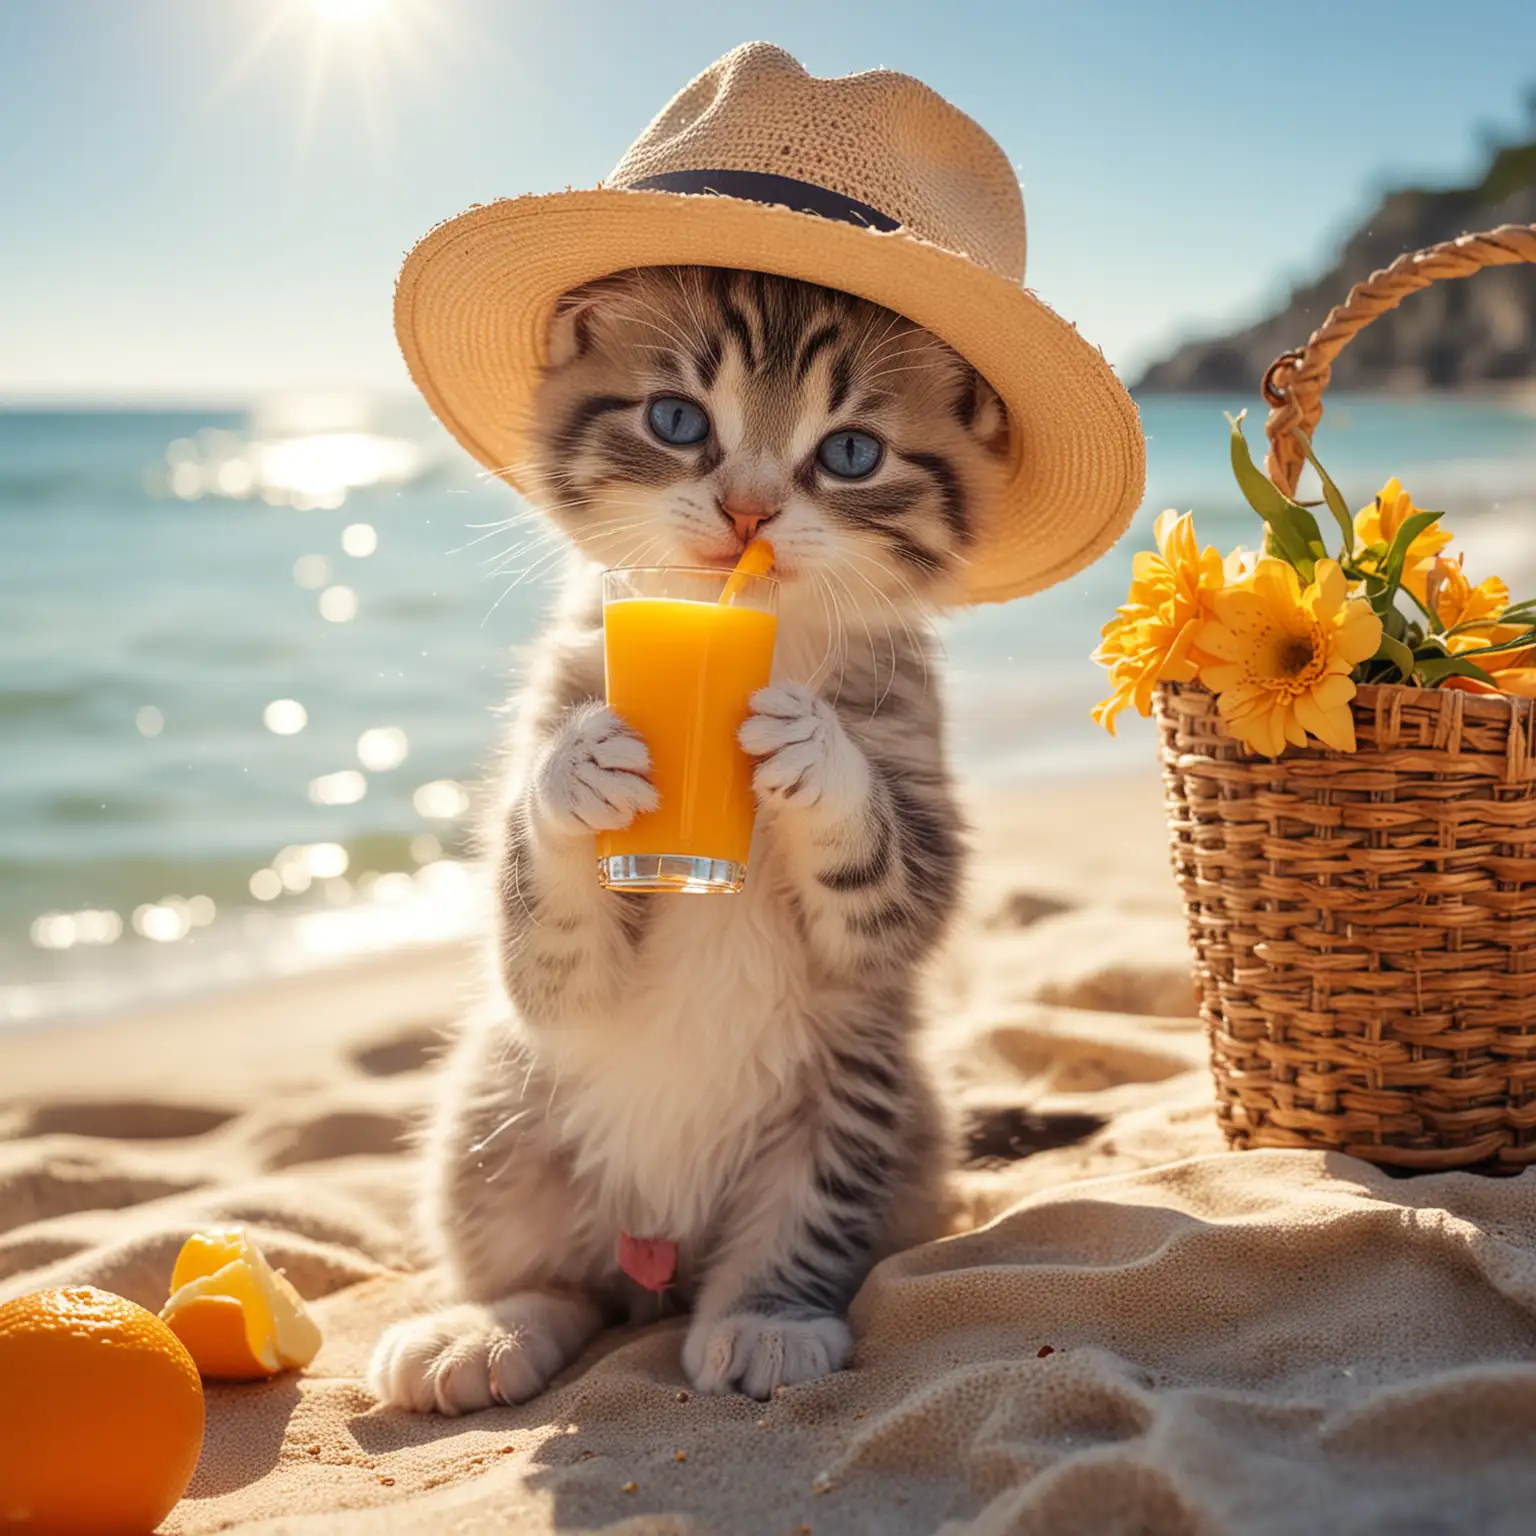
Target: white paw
<point x="464" y="1358"/>
<point x="745" y="1353"/>
<point x="592" y="775"/>
<point x="807" y="758"/>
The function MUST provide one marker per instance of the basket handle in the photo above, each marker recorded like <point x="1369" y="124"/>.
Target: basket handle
<point x="1295" y="381"/>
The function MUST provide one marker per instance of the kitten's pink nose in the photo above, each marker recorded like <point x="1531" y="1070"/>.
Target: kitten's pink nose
<point x="746" y="514"/>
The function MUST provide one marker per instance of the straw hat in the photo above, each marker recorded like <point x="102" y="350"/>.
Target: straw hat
<point x="870" y="183"/>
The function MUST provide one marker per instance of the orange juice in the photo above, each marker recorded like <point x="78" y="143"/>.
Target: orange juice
<point x="681" y="672"/>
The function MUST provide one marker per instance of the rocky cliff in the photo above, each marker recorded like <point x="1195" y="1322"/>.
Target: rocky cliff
<point x="1480" y="331"/>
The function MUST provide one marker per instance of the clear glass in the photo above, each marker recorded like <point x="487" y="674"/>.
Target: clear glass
<point x="681" y="668"/>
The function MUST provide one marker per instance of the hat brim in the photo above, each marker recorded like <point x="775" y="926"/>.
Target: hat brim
<point x="476" y="296"/>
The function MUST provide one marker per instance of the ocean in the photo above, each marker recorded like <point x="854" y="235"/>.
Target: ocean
<point x="250" y="660"/>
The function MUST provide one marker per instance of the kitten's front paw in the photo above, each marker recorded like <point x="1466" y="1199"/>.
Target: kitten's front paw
<point x="807" y="758"/>
<point x="592" y="775"/>
<point x="744" y="1352"/>
<point x="463" y="1359"/>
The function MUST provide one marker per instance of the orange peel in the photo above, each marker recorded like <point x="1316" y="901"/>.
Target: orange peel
<point x="240" y="1319"/>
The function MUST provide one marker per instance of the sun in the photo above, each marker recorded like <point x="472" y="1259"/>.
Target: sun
<point x="352" y="55"/>
<point x="348" y="12"/>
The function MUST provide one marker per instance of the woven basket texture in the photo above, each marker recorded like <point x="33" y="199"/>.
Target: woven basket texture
<point x="1364" y="926"/>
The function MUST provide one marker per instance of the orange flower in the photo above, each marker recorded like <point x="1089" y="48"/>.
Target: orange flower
<point x="1520" y="681"/>
<point x="1151" y="637"/>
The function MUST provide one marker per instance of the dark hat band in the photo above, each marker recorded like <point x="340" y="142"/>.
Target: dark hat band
<point x="777" y="191"/>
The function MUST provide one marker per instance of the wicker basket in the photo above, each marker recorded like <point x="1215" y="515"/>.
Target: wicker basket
<point x="1364" y="924"/>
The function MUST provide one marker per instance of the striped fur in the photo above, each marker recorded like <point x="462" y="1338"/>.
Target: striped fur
<point x="743" y="1075"/>
<point x="777" y="365"/>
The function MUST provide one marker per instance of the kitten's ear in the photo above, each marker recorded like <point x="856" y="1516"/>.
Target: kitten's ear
<point x="577" y="313"/>
<point x="984" y="414"/>
<point x="570" y="332"/>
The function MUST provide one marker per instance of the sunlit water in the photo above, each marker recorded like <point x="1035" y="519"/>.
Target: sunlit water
<point x="248" y="663"/>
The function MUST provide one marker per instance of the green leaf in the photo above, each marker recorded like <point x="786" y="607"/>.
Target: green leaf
<point x="1412" y="527"/>
<point x="1482" y="626"/>
<point x="1382" y="596"/>
<point x="1435" y="669"/>
<point x="1397" y="653"/>
<point x="1391" y="567"/>
<point x="1336" y="503"/>
<point x="1293" y="534"/>
<point x="1525" y="642"/>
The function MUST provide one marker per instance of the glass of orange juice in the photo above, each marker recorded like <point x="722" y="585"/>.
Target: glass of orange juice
<point x="683" y="658"/>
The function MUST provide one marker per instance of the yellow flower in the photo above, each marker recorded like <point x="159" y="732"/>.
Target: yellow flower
<point x="1473" y="641"/>
<point x="1282" y="656"/>
<point x="1152" y="636"/>
<point x="1379" y="523"/>
<point x="1454" y="600"/>
<point x="1238" y="566"/>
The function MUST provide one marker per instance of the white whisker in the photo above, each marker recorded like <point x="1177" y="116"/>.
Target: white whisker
<point x="920" y="609"/>
<point x="818" y="586"/>
<point x="913" y="643"/>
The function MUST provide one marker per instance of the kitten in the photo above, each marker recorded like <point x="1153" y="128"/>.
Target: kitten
<point x="736" y="1075"/>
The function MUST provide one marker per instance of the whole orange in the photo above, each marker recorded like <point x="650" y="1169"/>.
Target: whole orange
<point x="101" y="1415"/>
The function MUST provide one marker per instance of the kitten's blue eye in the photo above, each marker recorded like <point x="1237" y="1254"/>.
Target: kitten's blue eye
<point x="678" y="421"/>
<point x="850" y="455"/>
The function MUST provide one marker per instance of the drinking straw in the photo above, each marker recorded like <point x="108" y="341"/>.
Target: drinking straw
<point x="756" y="560"/>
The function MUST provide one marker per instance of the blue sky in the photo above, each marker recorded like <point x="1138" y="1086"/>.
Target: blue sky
<point x="209" y="198"/>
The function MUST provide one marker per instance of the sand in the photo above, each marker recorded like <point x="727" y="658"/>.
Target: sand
<point x="1137" y="1333"/>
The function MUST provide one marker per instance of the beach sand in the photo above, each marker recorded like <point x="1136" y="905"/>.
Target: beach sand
<point x="1134" y="1332"/>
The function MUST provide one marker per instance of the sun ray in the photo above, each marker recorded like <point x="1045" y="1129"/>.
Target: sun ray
<point x="249" y="55"/>
<point x="348" y="13"/>
<point x="316" y="68"/>
<point x="371" y="46"/>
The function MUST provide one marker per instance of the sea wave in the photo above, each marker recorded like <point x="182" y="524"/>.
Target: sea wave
<point x="195" y="703"/>
<point x="20" y="706"/>
<point x="444" y="902"/>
